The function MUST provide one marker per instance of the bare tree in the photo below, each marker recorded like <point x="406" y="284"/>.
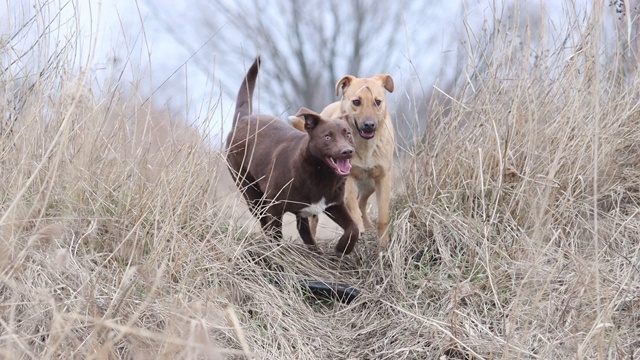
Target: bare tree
<point x="627" y="27"/>
<point x="310" y="44"/>
<point x="307" y="45"/>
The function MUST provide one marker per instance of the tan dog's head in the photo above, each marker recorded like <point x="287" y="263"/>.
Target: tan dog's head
<point x="364" y="100"/>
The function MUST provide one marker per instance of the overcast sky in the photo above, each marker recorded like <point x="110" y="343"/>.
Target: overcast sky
<point x="156" y="44"/>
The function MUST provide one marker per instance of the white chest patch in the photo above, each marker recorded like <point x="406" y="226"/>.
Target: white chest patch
<point x="315" y="209"/>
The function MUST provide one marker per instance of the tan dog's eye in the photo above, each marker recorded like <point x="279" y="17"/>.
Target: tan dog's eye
<point x="327" y="137"/>
<point x="378" y="102"/>
<point x="356" y="102"/>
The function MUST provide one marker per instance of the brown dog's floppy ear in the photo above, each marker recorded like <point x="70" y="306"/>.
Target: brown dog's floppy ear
<point x="386" y="80"/>
<point x="311" y="118"/>
<point x="343" y="83"/>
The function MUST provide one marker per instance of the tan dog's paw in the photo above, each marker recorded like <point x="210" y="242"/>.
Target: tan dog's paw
<point x="359" y="224"/>
<point x="368" y="225"/>
<point x="384" y="240"/>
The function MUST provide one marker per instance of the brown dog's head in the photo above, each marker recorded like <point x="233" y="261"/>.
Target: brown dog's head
<point x="330" y="140"/>
<point x="364" y="100"/>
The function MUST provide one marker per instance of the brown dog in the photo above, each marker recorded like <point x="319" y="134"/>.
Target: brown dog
<point x="279" y="169"/>
<point x="364" y="101"/>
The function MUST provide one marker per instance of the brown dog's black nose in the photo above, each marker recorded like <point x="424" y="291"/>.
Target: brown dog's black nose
<point x="347" y="152"/>
<point x="369" y="125"/>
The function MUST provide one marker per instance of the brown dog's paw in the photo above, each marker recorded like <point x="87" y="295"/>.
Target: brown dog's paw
<point x="336" y="255"/>
<point x="338" y="258"/>
<point x="315" y="249"/>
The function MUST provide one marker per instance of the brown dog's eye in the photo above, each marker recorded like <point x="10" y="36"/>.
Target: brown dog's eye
<point x="356" y="102"/>
<point x="378" y="102"/>
<point x="349" y="135"/>
<point x="327" y="137"/>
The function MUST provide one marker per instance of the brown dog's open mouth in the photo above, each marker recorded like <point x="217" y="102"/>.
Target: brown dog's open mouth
<point x="342" y="167"/>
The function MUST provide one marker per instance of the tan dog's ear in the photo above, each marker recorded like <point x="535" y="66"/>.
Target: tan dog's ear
<point x="343" y="83"/>
<point x="297" y="122"/>
<point x="311" y="118"/>
<point x="386" y="80"/>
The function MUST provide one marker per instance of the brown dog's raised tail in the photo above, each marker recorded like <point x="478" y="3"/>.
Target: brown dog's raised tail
<point x="245" y="94"/>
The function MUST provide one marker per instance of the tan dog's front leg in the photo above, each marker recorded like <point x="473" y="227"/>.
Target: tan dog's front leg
<point x="351" y="200"/>
<point x="364" y="192"/>
<point x="383" y="196"/>
<point x="313" y="224"/>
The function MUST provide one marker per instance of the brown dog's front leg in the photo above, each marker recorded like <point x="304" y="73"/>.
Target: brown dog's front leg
<point x="272" y="225"/>
<point x="340" y="215"/>
<point x="302" y="223"/>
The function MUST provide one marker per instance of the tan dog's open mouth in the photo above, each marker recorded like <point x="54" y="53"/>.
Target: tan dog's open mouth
<point x="367" y="131"/>
<point x="342" y="167"/>
<point x="367" y="134"/>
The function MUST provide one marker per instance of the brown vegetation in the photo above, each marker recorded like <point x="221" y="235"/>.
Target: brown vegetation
<point x="122" y="237"/>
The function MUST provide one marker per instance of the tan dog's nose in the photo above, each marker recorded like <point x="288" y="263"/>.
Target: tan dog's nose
<point x="369" y="125"/>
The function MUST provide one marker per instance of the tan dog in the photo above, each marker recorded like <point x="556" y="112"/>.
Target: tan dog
<point x="364" y="100"/>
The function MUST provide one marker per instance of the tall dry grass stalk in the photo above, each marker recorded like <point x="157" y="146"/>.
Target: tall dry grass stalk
<point x="123" y="240"/>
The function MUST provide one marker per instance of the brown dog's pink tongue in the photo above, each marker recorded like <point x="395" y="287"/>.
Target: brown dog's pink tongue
<point x="344" y="165"/>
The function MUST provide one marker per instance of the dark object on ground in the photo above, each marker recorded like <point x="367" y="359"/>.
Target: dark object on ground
<point x="417" y="257"/>
<point x="434" y="257"/>
<point x="329" y="290"/>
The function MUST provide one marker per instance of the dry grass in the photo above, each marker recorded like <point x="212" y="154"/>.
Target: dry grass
<point x="122" y="237"/>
